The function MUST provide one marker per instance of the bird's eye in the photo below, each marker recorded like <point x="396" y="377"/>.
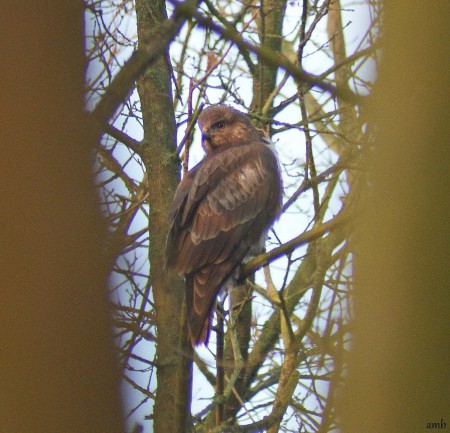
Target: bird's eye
<point x="219" y="125"/>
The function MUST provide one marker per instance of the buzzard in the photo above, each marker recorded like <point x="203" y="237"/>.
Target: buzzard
<point x="221" y="211"/>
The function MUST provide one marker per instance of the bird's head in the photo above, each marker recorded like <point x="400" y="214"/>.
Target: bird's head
<point x="223" y="127"/>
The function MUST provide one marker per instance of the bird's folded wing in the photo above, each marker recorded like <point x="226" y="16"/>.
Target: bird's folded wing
<point x="231" y="198"/>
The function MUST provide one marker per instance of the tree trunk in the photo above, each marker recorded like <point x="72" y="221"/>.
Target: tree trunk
<point x="174" y="354"/>
<point x="270" y="23"/>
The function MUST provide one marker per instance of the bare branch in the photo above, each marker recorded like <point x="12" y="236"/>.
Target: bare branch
<point x="269" y="56"/>
<point x="341" y="219"/>
<point x="139" y="61"/>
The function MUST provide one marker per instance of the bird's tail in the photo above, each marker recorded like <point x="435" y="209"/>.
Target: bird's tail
<point x="202" y="288"/>
<point x="199" y="323"/>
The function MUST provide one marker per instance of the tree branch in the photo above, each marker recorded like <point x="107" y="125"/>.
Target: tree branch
<point x="342" y="218"/>
<point x="125" y="139"/>
<point x="139" y="61"/>
<point x="270" y="57"/>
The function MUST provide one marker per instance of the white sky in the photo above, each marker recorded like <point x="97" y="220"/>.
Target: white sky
<point x="290" y="146"/>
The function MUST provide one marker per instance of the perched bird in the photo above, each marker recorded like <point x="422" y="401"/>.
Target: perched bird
<point x="221" y="211"/>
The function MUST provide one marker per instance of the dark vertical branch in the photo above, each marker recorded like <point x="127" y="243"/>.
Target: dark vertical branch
<point x="183" y="379"/>
<point x="220" y="371"/>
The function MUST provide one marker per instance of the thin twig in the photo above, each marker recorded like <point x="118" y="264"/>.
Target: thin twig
<point x="316" y="232"/>
<point x="269" y="56"/>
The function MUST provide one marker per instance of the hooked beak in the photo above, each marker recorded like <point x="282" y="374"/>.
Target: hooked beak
<point x="206" y="136"/>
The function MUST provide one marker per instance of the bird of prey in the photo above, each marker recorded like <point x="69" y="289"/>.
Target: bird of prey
<point x="221" y="211"/>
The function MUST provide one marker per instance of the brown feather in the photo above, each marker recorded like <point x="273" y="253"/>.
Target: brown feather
<point x="221" y="209"/>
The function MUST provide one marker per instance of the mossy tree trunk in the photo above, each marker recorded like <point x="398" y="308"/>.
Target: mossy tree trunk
<point x="172" y="404"/>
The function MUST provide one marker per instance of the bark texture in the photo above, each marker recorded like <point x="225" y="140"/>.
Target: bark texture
<point x="172" y="404"/>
